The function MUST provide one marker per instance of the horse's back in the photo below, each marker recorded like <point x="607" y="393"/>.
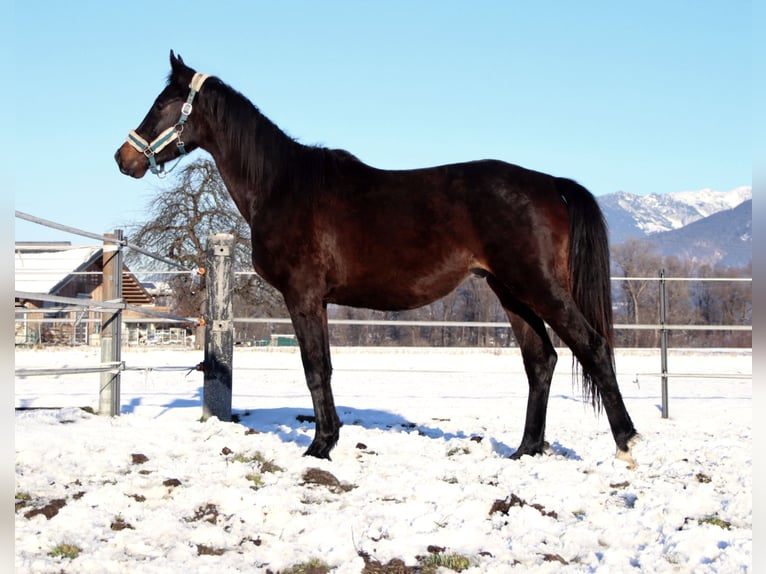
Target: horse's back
<point x="399" y="239"/>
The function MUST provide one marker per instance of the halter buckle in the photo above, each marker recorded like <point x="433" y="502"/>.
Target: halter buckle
<point x="186" y="109"/>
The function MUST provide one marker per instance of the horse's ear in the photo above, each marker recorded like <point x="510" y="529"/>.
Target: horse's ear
<point x="179" y="71"/>
<point x="176" y="61"/>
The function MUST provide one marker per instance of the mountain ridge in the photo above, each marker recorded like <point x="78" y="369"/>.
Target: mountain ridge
<point x="706" y="226"/>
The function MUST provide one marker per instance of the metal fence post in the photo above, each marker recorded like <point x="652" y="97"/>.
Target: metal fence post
<point x="663" y="347"/>
<point x="219" y="327"/>
<point x="111" y="326"/>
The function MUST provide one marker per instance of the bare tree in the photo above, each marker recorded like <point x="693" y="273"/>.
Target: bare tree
<point x="687" y="302"/>
<point x="679" y="306"/>
<point x="633" y="260"/>
<point x="182" y="215"/>
<point x="725" y="303"/>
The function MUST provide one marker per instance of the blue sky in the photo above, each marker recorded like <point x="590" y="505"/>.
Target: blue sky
<point x="649" y="97"/>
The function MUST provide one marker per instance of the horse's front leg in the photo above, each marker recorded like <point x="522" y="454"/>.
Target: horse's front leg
<point x="310" y="324"/>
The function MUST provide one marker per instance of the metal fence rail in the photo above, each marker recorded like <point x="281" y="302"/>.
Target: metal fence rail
<point x="105" y="238"/>
<point x="102" y="368"/>
<point x="486" y="324"/>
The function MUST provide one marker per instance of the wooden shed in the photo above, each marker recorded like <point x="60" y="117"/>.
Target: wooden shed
<point x="65" y="270"/>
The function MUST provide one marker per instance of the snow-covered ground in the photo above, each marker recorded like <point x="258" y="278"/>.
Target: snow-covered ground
<point x="418" y="471"/>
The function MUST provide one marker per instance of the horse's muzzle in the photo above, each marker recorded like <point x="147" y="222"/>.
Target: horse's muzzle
<point x="130" y="161"/>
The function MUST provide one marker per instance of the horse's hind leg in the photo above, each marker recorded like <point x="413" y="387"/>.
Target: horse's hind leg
<point x="593" y="353"/>
<point x="556" y="307"/>
<point x="310" y="324"/>
<point x="539" y="362"/>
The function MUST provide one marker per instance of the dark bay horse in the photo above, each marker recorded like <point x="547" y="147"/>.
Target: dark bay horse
<point x="327" y="228"/>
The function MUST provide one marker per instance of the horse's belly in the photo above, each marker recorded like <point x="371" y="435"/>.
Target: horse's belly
<point x="400" y="287"/>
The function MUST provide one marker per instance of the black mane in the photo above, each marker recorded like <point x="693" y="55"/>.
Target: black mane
<point x="267" y="153"/>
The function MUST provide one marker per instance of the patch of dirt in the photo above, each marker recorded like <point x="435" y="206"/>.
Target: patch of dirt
<point x="203" y="550"/>
<point x="208" y="513"/>
<point x="503" y="506"/>
<point x="138" y="458"/>
<point x="311" y="567"/>
<point x="49" y="510"/>
<point x="393" y="566"/>
<point x="120" y="524"/>
<point x="256" y="541"/>
<point x="320" y="477"/>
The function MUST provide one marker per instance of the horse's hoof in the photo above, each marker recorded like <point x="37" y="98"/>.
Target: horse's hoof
<point x="317" y="455"/>
<point x="531" y="451"/>
<point x="627" y="455"/>
<point x="318" y="451"/>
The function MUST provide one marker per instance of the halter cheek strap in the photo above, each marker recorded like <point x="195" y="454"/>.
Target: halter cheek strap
<point x="170" y="134"/>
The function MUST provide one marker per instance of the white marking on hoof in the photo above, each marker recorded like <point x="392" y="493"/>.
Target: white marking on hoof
<point x="627" y="456"/>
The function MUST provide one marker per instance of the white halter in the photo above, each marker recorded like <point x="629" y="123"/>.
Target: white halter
<point x="172" y="133"/>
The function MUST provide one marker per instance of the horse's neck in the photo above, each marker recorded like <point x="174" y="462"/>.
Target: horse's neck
<point x="245" y="197"/>
<point x="249" y="169"/>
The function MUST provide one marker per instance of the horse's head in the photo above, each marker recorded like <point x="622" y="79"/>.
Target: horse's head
<point x="148" y="146"/>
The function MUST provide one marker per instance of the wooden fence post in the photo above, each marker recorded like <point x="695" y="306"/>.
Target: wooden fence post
<point x="111" y="326"/>
<point x="219" y="327"/>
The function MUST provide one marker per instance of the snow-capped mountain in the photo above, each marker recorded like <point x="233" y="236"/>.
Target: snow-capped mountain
<point x="705" y="226"/>
<point x="638" y="216"/>
<point x="725" y="238"/>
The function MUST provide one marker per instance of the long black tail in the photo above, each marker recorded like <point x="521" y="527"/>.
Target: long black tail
<point x="589" y="269"/>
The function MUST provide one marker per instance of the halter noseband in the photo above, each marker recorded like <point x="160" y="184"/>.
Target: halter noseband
<point x="172" y="133"/>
